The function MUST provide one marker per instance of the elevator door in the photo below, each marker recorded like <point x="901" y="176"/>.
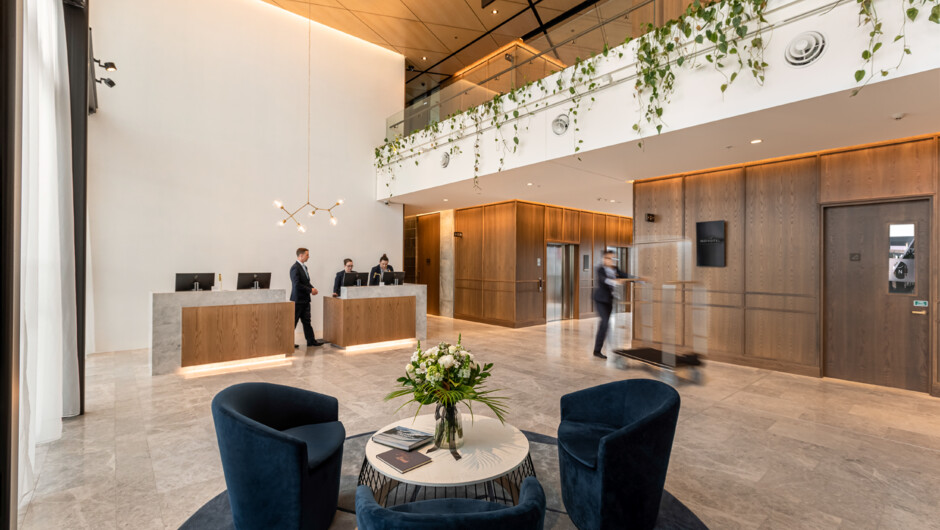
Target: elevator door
<point x="560" y="282"/>
<point x="877" y="314"/>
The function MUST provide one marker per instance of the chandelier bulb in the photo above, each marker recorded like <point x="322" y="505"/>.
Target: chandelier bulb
<point x="339" y="201"/>
<point x="282" y="222"/>
<point x="333" y="221"/>
<point x="278" y="204"/>
<point x="312" y="213"/>
<point x="300" y="228"/>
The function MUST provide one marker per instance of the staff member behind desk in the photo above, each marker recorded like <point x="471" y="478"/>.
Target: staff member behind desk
<point x="300" y="293"/>
<point x="338" y="282"/>
<point x="604" y="298"/>
<point x="375" y="276"/>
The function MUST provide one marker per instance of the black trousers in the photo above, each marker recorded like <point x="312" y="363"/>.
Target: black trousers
<point x="302" y="313"/>
<point x="603" y="310"/>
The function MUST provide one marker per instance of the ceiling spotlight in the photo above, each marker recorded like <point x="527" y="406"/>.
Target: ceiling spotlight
<point x="612" y="200"/>
<point x="424" y="58"/>
<point x="109" y="66"/>
<point x="528" y="183"/>
<point x="756" y="141"/>
<point x="106" y="81"/>
<point x="445" y="200"/>
<point x="495" y="11"/>
<point x="410" y="68"/>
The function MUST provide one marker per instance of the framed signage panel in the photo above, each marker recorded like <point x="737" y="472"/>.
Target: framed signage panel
<point x="710" y="243"/>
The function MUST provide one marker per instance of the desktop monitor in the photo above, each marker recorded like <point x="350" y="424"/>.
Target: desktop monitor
<point x="253" y="280"/>
<point x="393" y="278"/>
<point x="350" y="279"/>
<point x="362" y="278"/>
<point x="201" y="281"/>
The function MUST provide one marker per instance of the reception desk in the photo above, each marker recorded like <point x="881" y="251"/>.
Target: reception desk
<point x="369" y="315"/>
<point x="193" y="328"/>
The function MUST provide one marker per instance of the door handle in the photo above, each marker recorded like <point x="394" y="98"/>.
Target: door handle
<point x="540" y="284"/>
<point x="919" y="312"/>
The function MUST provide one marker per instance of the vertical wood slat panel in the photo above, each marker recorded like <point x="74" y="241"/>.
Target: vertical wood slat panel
<point x="888" y="171"/>
<point x="554" y="223"/>
<point x="213" y="334"/>
<point x="468" y="263"/>
<point x="530" y="249"/>
<point x="586" y="274"/>
<point x="572" y="232"/>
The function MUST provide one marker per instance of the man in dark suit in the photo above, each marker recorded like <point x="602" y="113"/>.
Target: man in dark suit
<point x="338" y="281"/>
<point x="300" y="293"/>
<point x="605" y="277"/>
<point x="375" y="275"/>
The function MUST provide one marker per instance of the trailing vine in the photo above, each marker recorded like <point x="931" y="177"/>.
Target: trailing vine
<point x="868" y="16"/>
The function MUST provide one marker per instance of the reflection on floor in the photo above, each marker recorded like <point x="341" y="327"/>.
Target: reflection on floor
<point x="754" y="448"/>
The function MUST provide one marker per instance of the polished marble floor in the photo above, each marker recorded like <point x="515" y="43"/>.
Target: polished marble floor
<point x="753" y="449"/>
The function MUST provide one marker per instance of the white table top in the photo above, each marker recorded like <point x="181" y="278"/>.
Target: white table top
<point x="490" y="450"/>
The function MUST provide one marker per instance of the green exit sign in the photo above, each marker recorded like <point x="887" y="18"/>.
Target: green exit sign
<point x="920" y="303"/>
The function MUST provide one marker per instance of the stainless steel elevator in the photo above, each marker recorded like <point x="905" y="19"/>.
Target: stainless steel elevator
<point x="561" y="270"/>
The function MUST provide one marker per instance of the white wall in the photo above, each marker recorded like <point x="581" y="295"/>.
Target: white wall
<point x="206" y="127"/>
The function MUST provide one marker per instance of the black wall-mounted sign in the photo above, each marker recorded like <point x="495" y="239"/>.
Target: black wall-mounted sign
<point x="458" y="234"/>
<point x="710" y="244"/>
<point x="650" y="218"/>
<point x="855" y="256"/>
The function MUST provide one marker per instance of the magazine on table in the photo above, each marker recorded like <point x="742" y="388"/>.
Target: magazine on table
<point x="402" y="438"/>
<point x="403" y="461"/>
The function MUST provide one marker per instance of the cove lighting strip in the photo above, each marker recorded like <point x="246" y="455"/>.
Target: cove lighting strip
<point x="214" y="368"/>
<point x="376" y="345"/>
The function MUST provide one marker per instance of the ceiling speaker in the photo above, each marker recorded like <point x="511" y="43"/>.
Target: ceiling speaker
<point x="560" y="124"/>
<point x="445" y="159"/>
<point x="805" y="49"/>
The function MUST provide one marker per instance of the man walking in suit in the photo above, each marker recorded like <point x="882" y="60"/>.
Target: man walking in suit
<point x="300" y="293"/>
<point x="603" y="296"/>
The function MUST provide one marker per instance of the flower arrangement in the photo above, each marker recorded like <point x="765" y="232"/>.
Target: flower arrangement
<point x="446" y="375"/>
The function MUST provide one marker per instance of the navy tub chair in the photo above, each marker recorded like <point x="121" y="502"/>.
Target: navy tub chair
<point x="454" y="514"/>
<point x="282" y="454"/>
<point x="614" y="443"/>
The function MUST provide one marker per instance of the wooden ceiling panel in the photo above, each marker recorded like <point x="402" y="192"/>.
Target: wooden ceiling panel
<point x="520" y="25"/>
<point x="403" y="33"/>
<point x="336" y="18"/>
<point x="416" y="58"/>
<point x="504" y="10"/>
<point x="479" y="49"/>
<point x="454" y="38"/>
<point x="388" y="8"/>
<point x="455" y="13"/>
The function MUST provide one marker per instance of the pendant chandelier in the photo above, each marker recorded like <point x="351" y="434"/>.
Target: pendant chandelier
<point x="293" y="215"/>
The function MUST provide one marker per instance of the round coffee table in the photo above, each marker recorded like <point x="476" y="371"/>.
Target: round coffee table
<point x="494" y="460"/>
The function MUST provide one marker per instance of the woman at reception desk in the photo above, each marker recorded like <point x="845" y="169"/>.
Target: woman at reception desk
<point x="377" y="272"/>
<point x="371" y="315"/>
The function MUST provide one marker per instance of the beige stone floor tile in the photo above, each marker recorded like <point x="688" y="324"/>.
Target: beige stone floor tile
<point x="753" y="448"/>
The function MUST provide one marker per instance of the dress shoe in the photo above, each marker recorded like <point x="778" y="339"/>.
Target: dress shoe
<point x="316" y="343"/>
<point x="599" y="355"/>
<point x="296" y="346"/>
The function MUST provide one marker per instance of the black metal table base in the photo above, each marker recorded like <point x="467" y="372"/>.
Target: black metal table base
<point x="390" y="492"/>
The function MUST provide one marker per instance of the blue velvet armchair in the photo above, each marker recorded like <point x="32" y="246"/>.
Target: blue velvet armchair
<point x="454" y="514"/>
<point x="614" y="443"/>
<point x="282" y="453"/>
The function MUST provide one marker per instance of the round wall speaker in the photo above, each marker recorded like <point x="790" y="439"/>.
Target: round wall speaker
<point x="560" y="124"/>
<point x="805" y="49"/>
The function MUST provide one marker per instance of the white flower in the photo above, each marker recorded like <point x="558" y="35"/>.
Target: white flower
<point x="414" y="357"/>
<point x="446" y="361"/>
<point x="452" y="349"/>
<point x="409" y="368"/>
<point x="465" y="373"/>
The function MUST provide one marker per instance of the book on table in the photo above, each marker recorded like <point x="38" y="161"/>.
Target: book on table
<point x="403" y="461"/>
<point x="402" y="438"/>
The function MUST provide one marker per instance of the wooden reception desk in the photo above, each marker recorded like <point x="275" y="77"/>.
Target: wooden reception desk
<point x="205" y="327"/>
<point x="369" y="315"/>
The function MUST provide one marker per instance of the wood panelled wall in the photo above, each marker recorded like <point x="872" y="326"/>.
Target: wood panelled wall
<point x="763" y="308"/>
<point x="499" y="270"/>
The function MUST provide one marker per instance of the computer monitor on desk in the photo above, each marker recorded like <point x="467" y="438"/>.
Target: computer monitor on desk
<point x="200" y="281"/>
<point x="253" y="280"/>
<point x="351" y="279"/>
<point x="393" y="278"/>
<point x="362" y="279"/>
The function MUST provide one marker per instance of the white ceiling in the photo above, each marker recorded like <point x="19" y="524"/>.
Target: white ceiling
<point x="826" y="122"/>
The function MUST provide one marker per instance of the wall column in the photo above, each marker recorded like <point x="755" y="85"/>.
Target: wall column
<point x="447" y="264"/>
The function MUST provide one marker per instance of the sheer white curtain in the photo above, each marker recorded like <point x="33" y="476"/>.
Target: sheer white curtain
<point x="48" y="353"/>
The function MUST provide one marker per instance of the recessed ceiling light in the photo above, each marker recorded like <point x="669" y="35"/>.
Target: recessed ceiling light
<point x="424" y="58"/>
<point x="756" y="141"/>
<point x="528" y="183"/>
<point x="445" y="200"/>
<point x="495" y="11"/>
<point x="612" y="200"/>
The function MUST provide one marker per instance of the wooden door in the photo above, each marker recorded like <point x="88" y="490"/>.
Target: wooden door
<point x="877" y="331"/>
<point x="429" y="258"/>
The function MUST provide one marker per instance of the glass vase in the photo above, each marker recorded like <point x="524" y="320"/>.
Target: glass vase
<point x="448" y="433"/>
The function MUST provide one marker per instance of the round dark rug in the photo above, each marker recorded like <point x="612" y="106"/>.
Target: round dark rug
<point x="673" y="515"/>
